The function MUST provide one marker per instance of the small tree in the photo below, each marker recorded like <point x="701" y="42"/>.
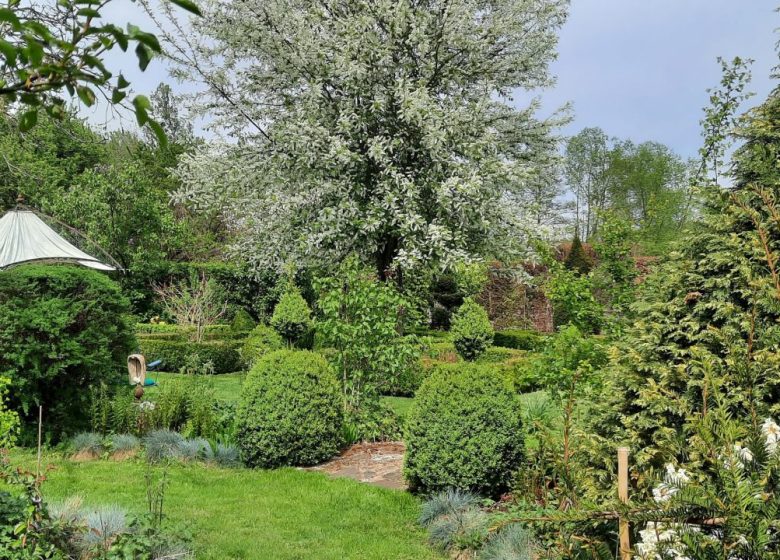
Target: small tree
<point x="472" y="332"/>
<point x="292" y="316"/>
<point x="577" y="260"/>
<point x="195" y="303"/>
<point x="361" y="319"/>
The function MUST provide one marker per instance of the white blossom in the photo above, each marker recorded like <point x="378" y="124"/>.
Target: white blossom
<point x="771" y="432"/>
<point x="384" y="128"/>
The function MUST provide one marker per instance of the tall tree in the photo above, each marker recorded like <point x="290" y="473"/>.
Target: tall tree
<point x="380" y="127"/>
<point x="586" y="170"/>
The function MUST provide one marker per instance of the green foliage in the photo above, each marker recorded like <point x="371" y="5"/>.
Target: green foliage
<point x="291" y="411"/>
<point x="292" y="316"/>
<point x="577" y="260"/>
<point x="362" y="319"/>
<point x="571" y="296"/>
<point x="62" y="330"/>
<point x="472" y="332"/>
<point x="260" y="341"/>
<point x="242" y="322"/>
<point x="723" y="500"/>
<point x="570" y="360"/>
<point x="374" y="421"/>
<point x="449" y="289"/>
<point x="9" y="420"/>
<point x="518" y="339"/>
<point x="67" y="56"/>
<point x="464" y="431"/>
<point x="188" y="405"/>
<point x="176" y="354"/>
<point x="615" y="274"/>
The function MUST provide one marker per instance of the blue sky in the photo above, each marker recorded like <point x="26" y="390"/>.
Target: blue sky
<point x="638" y="69"/>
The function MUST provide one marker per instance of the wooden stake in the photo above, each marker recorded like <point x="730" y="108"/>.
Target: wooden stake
<point x="40" y="426"/>
<point x="625" y="540"/>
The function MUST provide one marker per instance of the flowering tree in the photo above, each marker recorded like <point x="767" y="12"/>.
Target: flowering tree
<point x="379" y="127"/>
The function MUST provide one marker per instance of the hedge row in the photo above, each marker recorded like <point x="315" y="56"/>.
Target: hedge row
<point x="518" y="339"/>
<point x="223" y="354"/>
<point x="162" y="331"/>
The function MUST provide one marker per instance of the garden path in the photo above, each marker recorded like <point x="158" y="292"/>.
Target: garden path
<point x="379" y="464"/>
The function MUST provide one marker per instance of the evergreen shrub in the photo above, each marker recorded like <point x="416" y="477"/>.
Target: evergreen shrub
<point x="290" y="412"/>
<point x="472" y="332"/>
<point x="62" y="330"/>
<point x="464" y="431"/>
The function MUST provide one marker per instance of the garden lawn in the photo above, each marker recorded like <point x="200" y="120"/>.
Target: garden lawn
<point x="279" y="514"/>
<point x="227" y="387"/>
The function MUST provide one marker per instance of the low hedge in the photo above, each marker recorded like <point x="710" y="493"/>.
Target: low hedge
<point x="184" y="332"/>
<point x="223" y="354"/>
<point x="518" y="339"/>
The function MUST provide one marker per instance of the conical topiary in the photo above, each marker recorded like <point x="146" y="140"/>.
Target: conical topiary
<point x="577" y="259"/>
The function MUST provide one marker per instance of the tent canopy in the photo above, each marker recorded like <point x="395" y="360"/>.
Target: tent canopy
<point x="25" y="238"/>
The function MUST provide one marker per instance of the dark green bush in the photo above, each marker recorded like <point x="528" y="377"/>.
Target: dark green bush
<point x="471" y="330"/>
<point x="262" y="340"/>
<point x="174" y="353"/>
<point x="62" y="330"/>
<point x="518" y="339"/>
<point x="291" y="411"/>
<point x="464" y="431"/>
<point x="577" y="259"/>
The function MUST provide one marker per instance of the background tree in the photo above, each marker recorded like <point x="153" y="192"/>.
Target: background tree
<point x="381" y="128"/>
<point x="50" y="48"/>
<point x="646" y="184"/>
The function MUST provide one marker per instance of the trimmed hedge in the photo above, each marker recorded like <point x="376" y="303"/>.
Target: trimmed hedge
<point x="518" y="339"/>
<point x="291" y="411"/>
<point x="464" y="431"/>
<point x="472" y="332"/>
<point x="260" y="341"/>
<point x="182" y="332"/>
<point x="223" y="354"/>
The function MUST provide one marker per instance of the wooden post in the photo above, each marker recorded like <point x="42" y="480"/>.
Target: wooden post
<point x="40" y="426"/>
<point x="625" y="540"/>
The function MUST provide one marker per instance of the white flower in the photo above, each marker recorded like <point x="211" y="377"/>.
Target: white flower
<point x="676" y="477"/>
<point x="147" y="406"/>
<point x="744" y="454"/>
<point x="663" y="492"/>
<point x="771" y="432"/>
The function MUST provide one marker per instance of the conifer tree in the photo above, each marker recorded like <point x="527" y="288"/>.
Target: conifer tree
<point x="577" y="259"/>
<point x="708" y="319"/>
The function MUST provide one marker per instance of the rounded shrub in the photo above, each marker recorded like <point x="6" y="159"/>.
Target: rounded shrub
<point x="464" y="431"/>
<point x="291" y="411"/>
<point x="472" y="332"/>
<point x="62" y="330"/>
<point x="260" y="341"/>
<point x="292" y="316"/>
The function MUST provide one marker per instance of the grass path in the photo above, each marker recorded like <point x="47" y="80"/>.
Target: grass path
<point x="284" y="514"/>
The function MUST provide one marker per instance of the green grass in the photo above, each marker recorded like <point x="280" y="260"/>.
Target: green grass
<point x="227" y="386"/>
<point x="247" y="514"/>
<point x="399" y="405"/>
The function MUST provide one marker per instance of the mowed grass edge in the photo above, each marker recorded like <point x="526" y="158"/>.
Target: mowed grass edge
<point x="256" y="514"/>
